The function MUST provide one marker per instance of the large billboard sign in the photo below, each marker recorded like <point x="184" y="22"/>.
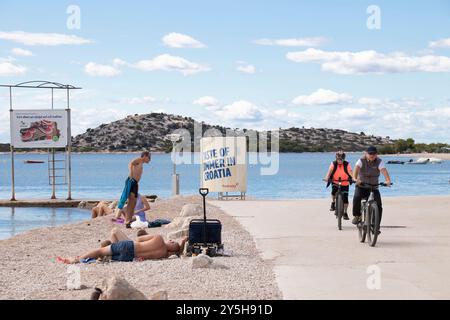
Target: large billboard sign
<point x="39" y="128"/>
<point x="223" y="165"/>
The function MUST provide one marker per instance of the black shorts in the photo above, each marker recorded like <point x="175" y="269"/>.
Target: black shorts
<point x="344" y="189"/>
<point x="134" y="187"/>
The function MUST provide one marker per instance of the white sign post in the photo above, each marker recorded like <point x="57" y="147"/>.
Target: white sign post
<point x="32" y="129"/>
<point x="223" y="166"/>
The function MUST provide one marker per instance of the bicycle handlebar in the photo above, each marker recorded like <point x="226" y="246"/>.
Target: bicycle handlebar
<point x="381" y="184"/>
<point x="331" y="180"/>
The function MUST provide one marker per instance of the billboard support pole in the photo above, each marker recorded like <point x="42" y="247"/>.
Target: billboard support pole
<point x="69" y="149"/>
<point x="53" y="197"/>
<point x="13" y="189"/>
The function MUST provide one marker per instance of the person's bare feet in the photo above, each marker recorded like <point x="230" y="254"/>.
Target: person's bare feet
<point x="68" y="260"/>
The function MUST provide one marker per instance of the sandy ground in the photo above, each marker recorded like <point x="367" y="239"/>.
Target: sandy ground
<point x="28" y="269"/>
<point x="314" y="260"/>
<point x="442" y="156"/>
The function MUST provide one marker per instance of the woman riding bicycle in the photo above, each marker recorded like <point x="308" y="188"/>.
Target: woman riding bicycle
<point x="367" y="171"/>
<point x="339" y="171"/>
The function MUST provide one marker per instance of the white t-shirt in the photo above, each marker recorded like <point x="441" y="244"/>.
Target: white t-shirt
<point x="380" y="166"/>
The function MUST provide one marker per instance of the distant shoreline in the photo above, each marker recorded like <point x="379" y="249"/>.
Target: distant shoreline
<point x="442" y="156"/>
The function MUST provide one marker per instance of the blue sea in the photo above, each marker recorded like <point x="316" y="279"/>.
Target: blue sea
<point x="101" y="176"/>
<point x="17" y="220"/>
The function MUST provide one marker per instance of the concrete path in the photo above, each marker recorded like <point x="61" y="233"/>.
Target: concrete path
<point x="314" y="260"/>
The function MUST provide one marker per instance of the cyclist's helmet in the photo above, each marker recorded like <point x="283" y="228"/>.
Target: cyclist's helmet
<point x="340" y="155"/>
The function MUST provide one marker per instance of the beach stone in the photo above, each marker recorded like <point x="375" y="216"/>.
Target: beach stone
<point x="160" y="295"/>
<point x="201" y="261"/>
<point x="178" y="234"/>
<point x="177" y="222"/>
<point x="204" y="261"/>
<point x="190" y="210"/>
<point x="119" y="289"/>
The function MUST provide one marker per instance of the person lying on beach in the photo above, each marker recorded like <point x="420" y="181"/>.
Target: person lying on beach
<point x="101" y="209"/>
<point x="130" y="191"/>
<point x="123" y="249"/>
<point x="142" y="205"/>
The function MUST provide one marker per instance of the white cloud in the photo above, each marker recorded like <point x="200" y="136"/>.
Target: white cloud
<point x="246" y="68"/>
<point x="370" y="101"/>
<point x="241" y="110"/>
<point x="100" y="70"/>
<point x="323" y="97"/>
<point x="21" y="52"/>
<point x="345" y="62"/>
<point x="355" y="113"/>
<point x="139" y="100"/>
<point x="206" y="101"/>
<point x="119" y="62"/>
<point x="8" y="68"/>
<point x="293" y="42"/>
<point x="442" y="43"/>
<point x="45" y="39"/>
<point x="168" y="62"/>
<point x="179" y="40"/>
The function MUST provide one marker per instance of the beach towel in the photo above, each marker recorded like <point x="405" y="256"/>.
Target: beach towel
<point x="157" y="223"/>
<point x="129" y="183"/>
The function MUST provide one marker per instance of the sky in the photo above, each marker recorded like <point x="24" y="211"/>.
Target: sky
<point x="380" y="67"/>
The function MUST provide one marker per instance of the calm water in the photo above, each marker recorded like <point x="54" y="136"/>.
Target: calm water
<point x="299" y="176"/>
<point x="17" y="220"/>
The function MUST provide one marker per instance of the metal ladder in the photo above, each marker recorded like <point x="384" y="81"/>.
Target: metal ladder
<point x="57" y="169"/>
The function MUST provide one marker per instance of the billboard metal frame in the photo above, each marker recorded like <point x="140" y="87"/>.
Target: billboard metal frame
<point x="49" y="86"/>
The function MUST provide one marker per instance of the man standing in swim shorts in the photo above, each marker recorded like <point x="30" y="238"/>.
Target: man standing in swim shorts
<point x="130" y="192"/>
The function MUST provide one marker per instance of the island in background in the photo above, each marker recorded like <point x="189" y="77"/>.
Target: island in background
<point x="149" y="132"/>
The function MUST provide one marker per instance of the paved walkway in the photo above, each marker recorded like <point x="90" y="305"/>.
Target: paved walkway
<point x="313" y="260"/>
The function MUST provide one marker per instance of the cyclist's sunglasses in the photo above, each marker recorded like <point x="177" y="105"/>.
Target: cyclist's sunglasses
<point x="372" y="153"/>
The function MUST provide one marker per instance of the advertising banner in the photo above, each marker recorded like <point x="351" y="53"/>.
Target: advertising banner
<point x="39" y="128"/>
<point x="223" y="165"/>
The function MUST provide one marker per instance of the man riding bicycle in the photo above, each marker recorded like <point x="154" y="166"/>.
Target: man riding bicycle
<point x="340" y="171"/>
<point x="367" y="171"/>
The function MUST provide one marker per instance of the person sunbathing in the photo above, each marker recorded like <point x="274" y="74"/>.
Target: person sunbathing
<point x="101" y="209"/>
<point x="123" y="249"/>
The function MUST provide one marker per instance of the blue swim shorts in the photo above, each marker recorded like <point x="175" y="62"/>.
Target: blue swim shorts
<point x="123" y="251"/>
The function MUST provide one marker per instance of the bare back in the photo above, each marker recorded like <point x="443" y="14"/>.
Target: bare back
<point x="136" y="168"/>
<point x="154" y="248"/>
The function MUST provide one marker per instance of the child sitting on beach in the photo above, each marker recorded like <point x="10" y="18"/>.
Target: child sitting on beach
<point x="123" y="249"/>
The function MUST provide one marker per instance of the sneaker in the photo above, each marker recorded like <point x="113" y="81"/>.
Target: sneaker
<point x="345" y="216"/>
<point x="356" y="220"/>
<point x="333" y="207"/>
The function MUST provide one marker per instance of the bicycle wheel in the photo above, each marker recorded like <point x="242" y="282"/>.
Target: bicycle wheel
<point x="362" y="229"/>
<point x="373" y="226"/>
<point x="339" y="210"/>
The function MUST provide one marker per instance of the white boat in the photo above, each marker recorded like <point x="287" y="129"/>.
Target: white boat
<point x="435" y="160"/>
<point x="420" y="161"/>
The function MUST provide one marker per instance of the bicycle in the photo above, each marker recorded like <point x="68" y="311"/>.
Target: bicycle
<point x="339" y="202"/>
<point x="369" y="226"/>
